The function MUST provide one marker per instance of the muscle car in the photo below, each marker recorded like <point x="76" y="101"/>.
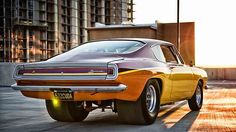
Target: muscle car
<point x="133" y="77"/>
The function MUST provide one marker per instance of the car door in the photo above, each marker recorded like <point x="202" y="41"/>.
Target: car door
<point x="181" y="75"/>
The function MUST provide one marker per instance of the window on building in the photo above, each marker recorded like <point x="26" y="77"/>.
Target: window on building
<point x="30" y="14"/>
<point x="68" y="29"/>
<point x="64" y="10"/>
<point x="31" y="44"/>
<point x="64" y="37"/>
<point x="31" y="34"/>
<point x="63" y="2"/>
<point x="68" y="12"/>
<point x="30" y="7"/>
<point x="63" y="19"/>
<point x="68" y="20"/>
<point x="64" y="29"/>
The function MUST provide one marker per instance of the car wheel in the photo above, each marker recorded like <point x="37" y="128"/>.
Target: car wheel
<point x="145" y="109"/>
<point x="195" y="103"/>
<point x="66" y="111"/>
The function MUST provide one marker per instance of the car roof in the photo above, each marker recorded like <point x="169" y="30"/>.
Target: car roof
<point x="147" y="41"/>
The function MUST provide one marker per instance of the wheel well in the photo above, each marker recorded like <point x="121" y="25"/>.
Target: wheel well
<point x="159" y="81"/>
<point x="201" y="81"/>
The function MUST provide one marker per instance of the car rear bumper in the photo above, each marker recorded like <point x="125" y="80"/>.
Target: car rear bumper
<point x="118" y="88"/>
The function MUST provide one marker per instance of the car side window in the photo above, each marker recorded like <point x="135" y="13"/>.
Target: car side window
<point x="169" y="55"/>
<point x="158" y="53"/>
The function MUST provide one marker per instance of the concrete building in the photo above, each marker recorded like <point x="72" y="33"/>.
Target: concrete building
<point x="34" y="30"/>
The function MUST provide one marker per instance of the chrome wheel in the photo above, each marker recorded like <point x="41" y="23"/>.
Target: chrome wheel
<point x="151" y="98"/>
<point x="198" y="96"/>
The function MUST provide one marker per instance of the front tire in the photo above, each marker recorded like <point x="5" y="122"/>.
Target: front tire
<point x="145" y="109"/>
<point x="195" y="103"/>
<point x="66" y="111"/>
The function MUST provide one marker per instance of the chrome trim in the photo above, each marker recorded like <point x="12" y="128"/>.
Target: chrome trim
<point x="118" y="88"/>
<point x="115" y="72"/>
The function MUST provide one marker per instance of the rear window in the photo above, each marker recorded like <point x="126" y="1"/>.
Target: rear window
<point x="116" y="47"/>
<point x="112" y="47"/>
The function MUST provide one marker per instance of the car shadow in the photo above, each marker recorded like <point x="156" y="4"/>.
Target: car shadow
<point x="183" y="124"/>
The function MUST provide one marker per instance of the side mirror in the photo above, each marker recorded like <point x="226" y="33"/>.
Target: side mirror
<point x="191" y="64"/>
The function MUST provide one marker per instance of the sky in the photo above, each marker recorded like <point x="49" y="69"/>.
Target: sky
<point x="215" y="26"/>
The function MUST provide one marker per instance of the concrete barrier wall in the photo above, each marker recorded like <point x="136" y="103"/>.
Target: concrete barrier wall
<point x="6" y="71"/>
<point x="221" y="73"/>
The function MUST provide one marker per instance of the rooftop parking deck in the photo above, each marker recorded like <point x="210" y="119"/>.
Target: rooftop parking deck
<point x="217" y="114"/>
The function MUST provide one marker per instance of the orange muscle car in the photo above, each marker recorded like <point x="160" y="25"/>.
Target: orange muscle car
<point x="133" y="77"/>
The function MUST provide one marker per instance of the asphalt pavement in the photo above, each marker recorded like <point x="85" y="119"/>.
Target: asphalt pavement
<point x="19" y="113"/>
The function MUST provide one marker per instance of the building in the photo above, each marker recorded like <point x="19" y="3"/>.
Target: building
<point x="34" y="30"/>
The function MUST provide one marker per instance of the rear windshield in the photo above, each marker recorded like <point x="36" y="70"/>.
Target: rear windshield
<point x="111" y="47"/>
<point x="116" y="47"/>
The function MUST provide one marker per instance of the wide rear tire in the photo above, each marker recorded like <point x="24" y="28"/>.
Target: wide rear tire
<point x="195" y="103"/>
<point x="66" y="111"/>
<point x="145" y="109"/>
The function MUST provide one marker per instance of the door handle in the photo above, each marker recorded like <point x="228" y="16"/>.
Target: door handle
<point x="172" y="67"/>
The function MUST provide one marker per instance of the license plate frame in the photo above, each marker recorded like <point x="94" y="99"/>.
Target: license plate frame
<point x="63" y="94"/>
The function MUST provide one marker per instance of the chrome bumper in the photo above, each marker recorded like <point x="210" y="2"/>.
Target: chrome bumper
<point x="117" y="88"/>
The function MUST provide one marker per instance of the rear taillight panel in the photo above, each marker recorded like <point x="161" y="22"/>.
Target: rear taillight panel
<point x="83" y="71"/>
<point x="108" y="72"/>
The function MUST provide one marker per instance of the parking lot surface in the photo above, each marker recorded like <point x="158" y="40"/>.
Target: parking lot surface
<point x="19" y="113"/>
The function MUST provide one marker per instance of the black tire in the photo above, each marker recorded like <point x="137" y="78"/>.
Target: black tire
<point x="195" y="104"/>
<point x="136" y="112"/>
<point x="66" y="111"/>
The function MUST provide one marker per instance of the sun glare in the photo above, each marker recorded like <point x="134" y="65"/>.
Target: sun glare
<point x="215" y="34"/>
<point x="215" y="26"/>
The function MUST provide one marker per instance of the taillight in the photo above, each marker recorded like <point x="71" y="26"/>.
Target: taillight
<point x="112" y="72"/>
<point x="18" y="71"/>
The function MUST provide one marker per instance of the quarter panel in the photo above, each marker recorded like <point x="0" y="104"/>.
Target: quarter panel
<point x="199" y="74"/>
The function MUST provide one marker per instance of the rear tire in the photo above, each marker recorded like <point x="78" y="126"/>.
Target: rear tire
<point x="195" y="103"/>
<point x="145" y="109"/>
<point x="66" y="111"/>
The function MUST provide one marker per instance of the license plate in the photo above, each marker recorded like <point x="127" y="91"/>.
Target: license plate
<point x="63" y="94"/>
